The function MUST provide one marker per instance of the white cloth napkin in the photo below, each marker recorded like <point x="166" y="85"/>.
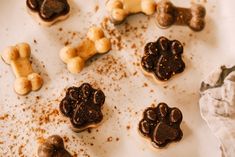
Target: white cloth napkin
<point x="217" y="106"/>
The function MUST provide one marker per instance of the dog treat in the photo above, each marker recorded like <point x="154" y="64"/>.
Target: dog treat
<point x="26" y="79"/>
<point x="83" y="106"/>
<point x="75" y="57"/>
<point x="49" y="12"/>
<point x="120" y="9"/>
<point x="163" y="59"/>
<point x="161" y="124"/>
<point x="53" y="147"/>
<point x="168" y="14"/>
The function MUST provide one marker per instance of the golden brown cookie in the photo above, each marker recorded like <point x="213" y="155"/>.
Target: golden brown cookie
<point x="26" y="79"/>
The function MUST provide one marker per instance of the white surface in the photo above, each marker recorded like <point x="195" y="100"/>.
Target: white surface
<point x="208" y="49"/>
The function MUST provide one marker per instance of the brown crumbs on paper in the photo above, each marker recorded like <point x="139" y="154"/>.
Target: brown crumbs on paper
<point x="4" y="117"/>
<point x="97" y="8"/>
<point x="110" y="139"/>
<point x="20" y="151"/>
<point x="112" y="67"/>
<point x="118" y="36"/>
<point x="35" y="41"/>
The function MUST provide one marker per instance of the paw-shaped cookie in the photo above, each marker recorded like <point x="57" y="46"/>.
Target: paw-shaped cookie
<point x="120" y="9"/>
<point x="161" y="124"/>
<point x="49" y="11"/>
<point x="26" y="79"/>
<point x="163" y="58"/>
<point x="168" y="14"/>
<point x="53" y="147"/>
<point x="75" y="57"/>
<point x="83" y="106"/>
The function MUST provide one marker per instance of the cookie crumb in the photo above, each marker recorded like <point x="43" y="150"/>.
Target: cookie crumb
<point x="110" y="139"/>
<point x="97" y="8"/>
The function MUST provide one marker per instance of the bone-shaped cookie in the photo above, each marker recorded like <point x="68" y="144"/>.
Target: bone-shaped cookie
<point x="168" y="14"/>
<point x="120" y="9"/>
<point x="26" y="79"/>
<point x="75" y="57"/>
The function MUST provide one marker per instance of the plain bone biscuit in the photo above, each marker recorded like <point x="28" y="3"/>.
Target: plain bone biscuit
<point x="168" y="14"/>
<point x="75" y="57"/>
<point x="26" y="79"/>
<point x="120" y="9"/>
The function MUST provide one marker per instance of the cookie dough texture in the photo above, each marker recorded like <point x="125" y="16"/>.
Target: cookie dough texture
<point x="18" y="57"/>
<point x="120" y="9"/>
<point x="217" y="106"/>
<point x="94" y="43"/>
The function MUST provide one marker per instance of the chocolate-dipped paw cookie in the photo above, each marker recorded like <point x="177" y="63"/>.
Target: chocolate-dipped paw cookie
<point x="49" y="12"/>
<point x="53" y="147"/>
<point x="161" y="125"/>
<point x="83" y="106"/>
<point x="163" y="59"/>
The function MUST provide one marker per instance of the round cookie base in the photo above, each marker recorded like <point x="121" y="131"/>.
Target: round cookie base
<point x="36" y="16"/>
<point x="154" y="78"/>
<point x="78" y="130"/>
<point x="154" y="147"/>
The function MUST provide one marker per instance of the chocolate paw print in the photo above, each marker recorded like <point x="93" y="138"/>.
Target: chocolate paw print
<point x="163" y="58"/>
<point x="49" y="10"/>
<point x="83" y="106"/>
<point x="161" y="125"/>
<point x="53" y="147"/>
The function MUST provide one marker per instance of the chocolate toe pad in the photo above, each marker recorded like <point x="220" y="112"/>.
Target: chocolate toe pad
<point x="49" y="10"/>
<point x="163" y="58"/>
<point x="161" y="124"/>
<point x="83" y="106"/>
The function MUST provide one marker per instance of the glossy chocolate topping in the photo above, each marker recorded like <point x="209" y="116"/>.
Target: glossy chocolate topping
<point x="163" y="58"/>
<point x="49" y="9"/>
<point x="53" y="147"/>
<point x="161" y="125"/>
<point x="83" y="106"/>
<point x="168" y="14"/>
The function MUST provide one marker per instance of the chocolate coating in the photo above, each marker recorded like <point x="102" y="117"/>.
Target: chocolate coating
<point x="49" y="10"/>
<point x="168" y="14"/>
<point x="161" y="124"/>
<point x="163" y="58"/>
<point x="83" y="106"/>
<point x="53" y="147"/>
